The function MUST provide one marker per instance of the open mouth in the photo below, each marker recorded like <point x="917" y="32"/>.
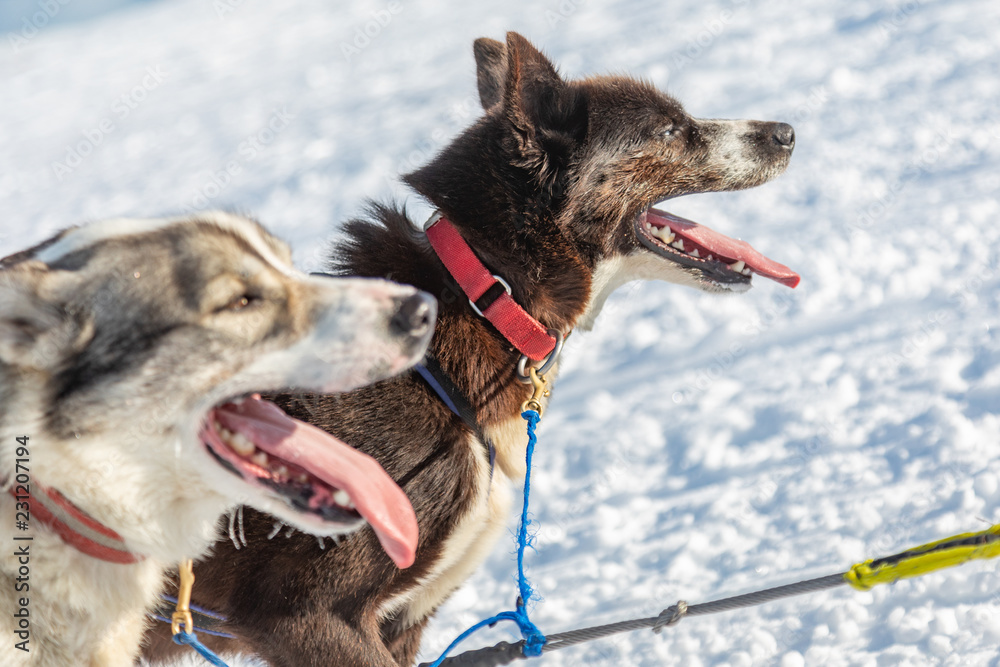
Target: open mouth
<point x="315" y="474"/>
<point x="728" y="263"/>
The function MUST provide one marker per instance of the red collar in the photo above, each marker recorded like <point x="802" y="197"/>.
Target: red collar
<point x="488" y="294"/>
<point x="76" y="528"/>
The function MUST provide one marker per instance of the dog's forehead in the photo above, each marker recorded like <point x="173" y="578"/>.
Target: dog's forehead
<point x="136" y="234"/>
<point x="623" y="94"/>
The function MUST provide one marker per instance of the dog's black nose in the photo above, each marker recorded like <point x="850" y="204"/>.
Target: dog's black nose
<point x="415" y="315"/>
<point x="784" y="135"/>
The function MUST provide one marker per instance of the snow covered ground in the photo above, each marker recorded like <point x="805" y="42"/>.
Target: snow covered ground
<point x="696" y="446"/>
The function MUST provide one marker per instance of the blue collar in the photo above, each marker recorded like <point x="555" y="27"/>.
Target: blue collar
<point x="435" y="376"/>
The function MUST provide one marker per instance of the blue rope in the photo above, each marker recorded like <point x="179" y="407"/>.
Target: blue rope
<point x="214" y="633"/>
<point x="192" y="640"/>
<point x="193" y="607"/>
<point x="534" y="639"/>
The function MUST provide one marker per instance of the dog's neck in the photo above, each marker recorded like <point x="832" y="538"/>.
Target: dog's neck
<point x="76" y="528"/>
<point x="120" y="482"/>
<point x="509" y="222"/>
<point x="87" y="610"/>
<point x="83" y="610"/>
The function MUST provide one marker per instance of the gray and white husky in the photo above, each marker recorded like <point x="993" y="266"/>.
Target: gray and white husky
<point x="131" y="352"/>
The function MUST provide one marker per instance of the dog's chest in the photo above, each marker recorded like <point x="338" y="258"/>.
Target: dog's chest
<point x="476" y="528"/>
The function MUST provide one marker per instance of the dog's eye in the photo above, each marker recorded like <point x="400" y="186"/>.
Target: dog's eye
<point x="670" y="132"/>
<point x="240" y="302"/>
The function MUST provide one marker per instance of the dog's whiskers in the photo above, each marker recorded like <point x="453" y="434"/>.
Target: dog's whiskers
<point x="243" y="537"/>
<point x="232" y="528"/>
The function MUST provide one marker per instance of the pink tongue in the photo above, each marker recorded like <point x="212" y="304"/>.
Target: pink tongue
<point x="720" y="244"/>
<point x="374" y="493"/>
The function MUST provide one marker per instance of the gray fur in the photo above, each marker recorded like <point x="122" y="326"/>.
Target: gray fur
<point x="116" y="340"/>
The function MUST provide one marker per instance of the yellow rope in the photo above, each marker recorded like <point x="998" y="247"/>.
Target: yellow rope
<point x="925" y="558"/>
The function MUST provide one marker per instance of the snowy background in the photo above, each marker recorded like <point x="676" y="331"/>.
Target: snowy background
<point x="696" y="446"/>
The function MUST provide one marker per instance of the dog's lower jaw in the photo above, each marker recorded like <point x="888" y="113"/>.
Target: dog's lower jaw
<point x="618" y="270"/>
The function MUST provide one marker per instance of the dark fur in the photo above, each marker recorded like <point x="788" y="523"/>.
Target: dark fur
<point x="544" y="186"/>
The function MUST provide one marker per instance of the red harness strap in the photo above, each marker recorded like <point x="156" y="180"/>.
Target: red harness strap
<point x="76" y="528"/>
<point x="522" y="330"/>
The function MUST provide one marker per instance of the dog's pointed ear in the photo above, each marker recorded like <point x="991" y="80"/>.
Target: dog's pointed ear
<point x="546" y="112"/>
<point x="33" y="332"/>
<point x="491" y="70"/>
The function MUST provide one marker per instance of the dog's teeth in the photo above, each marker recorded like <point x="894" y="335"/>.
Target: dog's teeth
<point x="302" y="478"/>
<point x="241" y="444"/>
<point x="679" y="244"/>
<point x="342" y="498"/>
<point x="710" y="258"/>
<point x="738" y="266"/>
<point x="745" y="272"/>
<point x="281" y="472"/>
<point x="260" y="458"/>
<point x="695" y="253"/>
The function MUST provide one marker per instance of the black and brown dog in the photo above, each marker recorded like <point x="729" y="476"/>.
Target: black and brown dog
<point x="552" y="188"/>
